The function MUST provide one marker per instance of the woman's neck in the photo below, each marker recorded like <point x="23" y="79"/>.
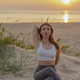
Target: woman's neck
<point x="45" y="41"/>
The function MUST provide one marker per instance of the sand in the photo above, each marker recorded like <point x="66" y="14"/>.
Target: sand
<point x="68" y="66"/>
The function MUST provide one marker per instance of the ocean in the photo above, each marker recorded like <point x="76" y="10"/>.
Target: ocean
<point x="23" y="16"/>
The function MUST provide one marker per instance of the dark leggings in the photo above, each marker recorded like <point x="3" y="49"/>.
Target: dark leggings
<point x="46" y="73"/>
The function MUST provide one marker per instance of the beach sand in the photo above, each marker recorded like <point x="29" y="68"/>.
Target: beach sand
<point x="68" y="66"/>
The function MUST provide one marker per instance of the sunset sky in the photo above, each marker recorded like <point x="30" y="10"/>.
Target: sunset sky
<point x="40" y="4"/>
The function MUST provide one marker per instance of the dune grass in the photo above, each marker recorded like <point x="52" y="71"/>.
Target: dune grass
<point x="65" y="49"/>
<point x="8" y="60"/>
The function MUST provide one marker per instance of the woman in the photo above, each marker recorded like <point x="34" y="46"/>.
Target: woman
<point x="48" y="52"/>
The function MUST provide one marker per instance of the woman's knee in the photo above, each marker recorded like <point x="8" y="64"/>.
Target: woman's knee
<point x="35" y="77"/>
<point x="50" y="70"/>
<point x="49" y="78"/>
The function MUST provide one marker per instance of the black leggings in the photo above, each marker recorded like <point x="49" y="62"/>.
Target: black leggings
<point x="46" y="73"/>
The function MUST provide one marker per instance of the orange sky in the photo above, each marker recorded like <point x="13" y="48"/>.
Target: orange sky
<point x="40" y="4"/>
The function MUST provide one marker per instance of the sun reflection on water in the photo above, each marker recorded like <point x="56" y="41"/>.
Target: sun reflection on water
<point x="66" y="16"/>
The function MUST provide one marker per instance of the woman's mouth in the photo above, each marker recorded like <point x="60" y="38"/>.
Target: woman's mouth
<point x="46" y="34"/>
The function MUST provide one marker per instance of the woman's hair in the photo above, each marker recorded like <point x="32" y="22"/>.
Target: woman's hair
<point x="51" y="38"/>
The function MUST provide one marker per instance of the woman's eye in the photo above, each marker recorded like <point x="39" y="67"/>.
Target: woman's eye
<point x="47" y="29"/>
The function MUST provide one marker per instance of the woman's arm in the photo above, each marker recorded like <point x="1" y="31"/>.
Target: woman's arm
<point x="57" y="56"/>
<point x="35" y="35"/>
<point x="35" y="31"/>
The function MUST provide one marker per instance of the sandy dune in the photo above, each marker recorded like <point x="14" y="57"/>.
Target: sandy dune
<point x="68" y="67"/>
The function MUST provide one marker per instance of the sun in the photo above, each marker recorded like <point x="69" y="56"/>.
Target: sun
<point x="66" y="1"/>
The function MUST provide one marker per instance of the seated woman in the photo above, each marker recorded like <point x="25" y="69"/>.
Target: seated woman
<point x="48" y="52"/>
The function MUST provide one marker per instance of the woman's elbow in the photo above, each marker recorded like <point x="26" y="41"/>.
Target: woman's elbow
<point x="56" y="63"/>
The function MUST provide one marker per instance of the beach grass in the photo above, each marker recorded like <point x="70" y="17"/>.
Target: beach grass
<point x="8" y="61"/>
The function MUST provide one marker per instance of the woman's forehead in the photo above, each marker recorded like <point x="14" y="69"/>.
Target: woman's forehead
<point x="45" y="26"/>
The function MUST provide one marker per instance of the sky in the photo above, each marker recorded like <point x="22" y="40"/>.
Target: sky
<point x="40" y="4"/>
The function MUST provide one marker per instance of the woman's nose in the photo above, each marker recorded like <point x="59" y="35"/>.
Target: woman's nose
<point x="46" y="30"/>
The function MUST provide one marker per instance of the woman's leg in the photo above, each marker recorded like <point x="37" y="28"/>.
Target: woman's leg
<point x="49" y="78"/>
<point x="46" y="72"/>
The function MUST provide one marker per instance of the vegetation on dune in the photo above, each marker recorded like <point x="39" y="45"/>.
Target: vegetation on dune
<point x="8" y="60"/>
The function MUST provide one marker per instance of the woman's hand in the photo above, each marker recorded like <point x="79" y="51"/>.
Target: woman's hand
<point x="35" y="24"/>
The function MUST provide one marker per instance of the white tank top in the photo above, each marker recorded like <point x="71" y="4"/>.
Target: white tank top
<point x="46" y="55"/>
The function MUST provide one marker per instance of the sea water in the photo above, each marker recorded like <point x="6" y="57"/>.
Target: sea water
<point x="23" y="16"/>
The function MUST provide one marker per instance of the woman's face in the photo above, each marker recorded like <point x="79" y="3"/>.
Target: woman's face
<point x="45" y="31"/>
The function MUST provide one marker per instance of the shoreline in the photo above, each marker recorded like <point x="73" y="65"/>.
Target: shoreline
<point x="39" y="22"/>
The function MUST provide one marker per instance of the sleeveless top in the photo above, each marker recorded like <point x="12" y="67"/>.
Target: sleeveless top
<point x="46" y="55"/>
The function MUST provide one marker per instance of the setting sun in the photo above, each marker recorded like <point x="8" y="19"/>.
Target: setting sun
<point x="66" y="1"/>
